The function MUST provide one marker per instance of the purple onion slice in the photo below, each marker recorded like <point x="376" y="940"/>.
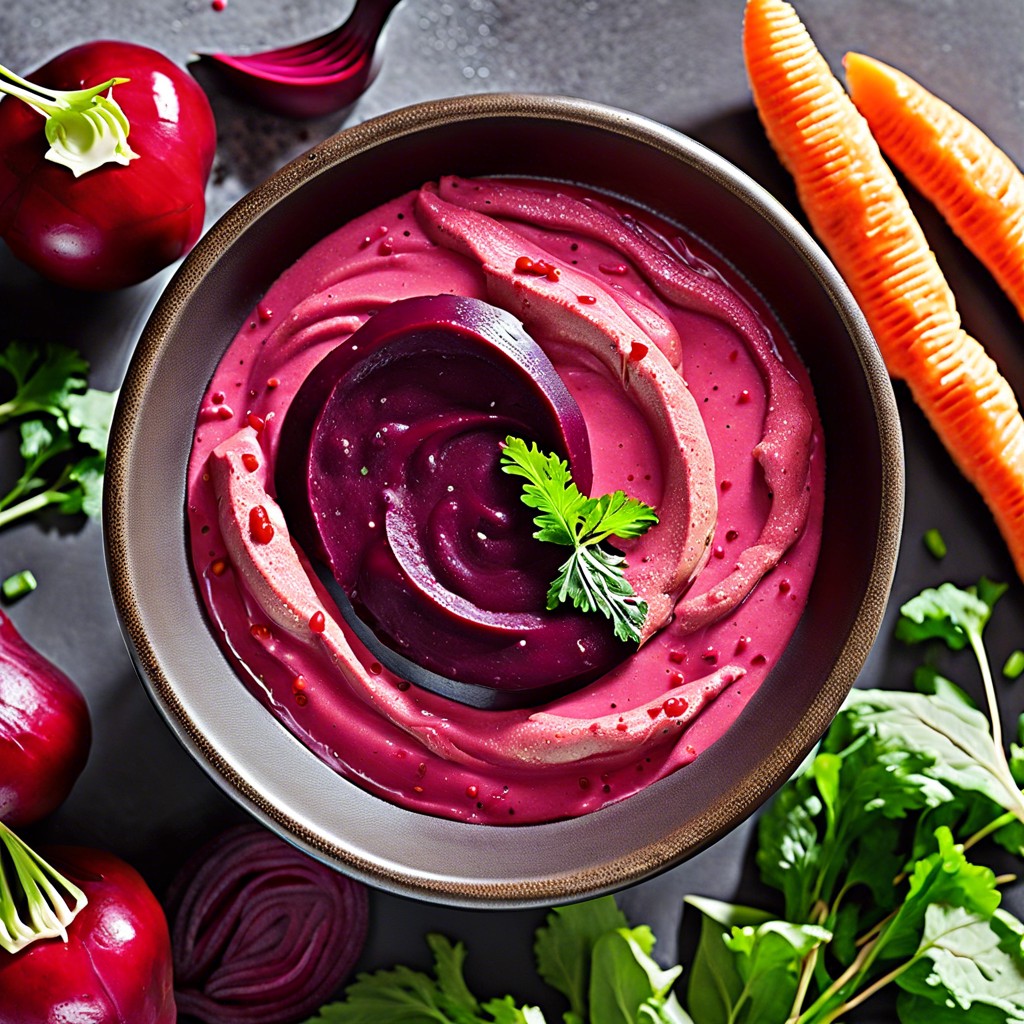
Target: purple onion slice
<point x="261" y="933"/>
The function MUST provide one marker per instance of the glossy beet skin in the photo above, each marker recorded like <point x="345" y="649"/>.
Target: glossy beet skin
<point x="116" y="966"/>
<point x="45" y="731"/>
<point x="113" y="226"/>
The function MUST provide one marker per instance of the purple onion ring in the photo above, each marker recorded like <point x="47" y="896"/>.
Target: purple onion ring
<point x="261" y="932"/>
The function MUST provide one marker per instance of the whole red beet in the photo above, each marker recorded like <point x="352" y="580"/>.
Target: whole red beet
<point x="45" y="732"/>
<point x="116" y="966"/>
<point x="115" y="225"/>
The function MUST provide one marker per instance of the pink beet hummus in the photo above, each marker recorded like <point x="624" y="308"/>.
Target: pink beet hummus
<point x="694" y="402"/>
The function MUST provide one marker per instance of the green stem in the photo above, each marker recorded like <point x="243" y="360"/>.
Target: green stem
<point x="35" y="890"/>
<point x="34" y="504"/>
<point x="867" y="993"/>
<point x="1003" y="766"/>
<point x="84" y="127"/>
<point x="986" y="830"/>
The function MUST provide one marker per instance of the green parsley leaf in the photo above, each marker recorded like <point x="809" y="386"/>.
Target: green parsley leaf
<point x="42" y="384"/>
<point x="63" y="427"/>
<point x="592" y="578"/>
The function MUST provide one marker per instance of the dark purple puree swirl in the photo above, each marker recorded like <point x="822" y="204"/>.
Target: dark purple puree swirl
<point x="390" y="476"/>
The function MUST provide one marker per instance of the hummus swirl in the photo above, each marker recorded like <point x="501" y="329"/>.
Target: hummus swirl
<point x="694" y="403"/>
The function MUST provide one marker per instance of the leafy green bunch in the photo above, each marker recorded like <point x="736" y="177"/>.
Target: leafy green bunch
<point x="869" y="847"/>
<point x="586" y="951"/>
<point x="63" y="426"/>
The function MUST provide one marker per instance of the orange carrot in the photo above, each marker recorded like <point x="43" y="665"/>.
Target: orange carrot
<point x="950" y="161"/>
<point x="857" y="210"/>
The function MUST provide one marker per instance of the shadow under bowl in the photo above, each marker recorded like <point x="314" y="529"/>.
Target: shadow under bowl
<point x="248" y="752"/>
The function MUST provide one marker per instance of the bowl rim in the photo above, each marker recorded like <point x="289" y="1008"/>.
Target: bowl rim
<point x="750" y="791"/>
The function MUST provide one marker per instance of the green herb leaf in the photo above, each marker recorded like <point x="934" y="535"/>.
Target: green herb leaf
<point x="945" y="877"/>
<point x="564" y="945"/>
<point x="968" y="967"/>
<point x="592" y="578"/>
<point x="43" y="381"/>
<point x="626" y="985"/>
<point x="63" y="428"/>
<point x="404" y="996"/>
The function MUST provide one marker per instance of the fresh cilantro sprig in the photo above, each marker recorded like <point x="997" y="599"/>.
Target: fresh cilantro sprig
<point x="592" y="577"/>
<point x="62" y="425"/>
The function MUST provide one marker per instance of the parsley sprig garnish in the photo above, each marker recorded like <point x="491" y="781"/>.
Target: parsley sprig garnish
<point x="592" y="577"/>
<point x="63" y="426"/>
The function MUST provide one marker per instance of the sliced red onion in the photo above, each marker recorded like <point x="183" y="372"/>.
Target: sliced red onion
<point x="261" y="932"/>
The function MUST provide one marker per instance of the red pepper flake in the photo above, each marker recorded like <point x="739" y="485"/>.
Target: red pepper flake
<point x="224" y="412"/>
<point x="654" y="712"/>
<point x="299" y="683"/>
<point x="731" y="535"/>
<point x="256" y="422"/>
<point x="675" y="706"/>
<point x="250" y="461"/>
<point x="273" y="382"/>
<point x="676" y="678"/>
<point x="317" y="622"/>
<point x="725" y="485"/>
<point x="472" y="792"/>
<point x="718" y="551"/>
<point x="613" y="268"/>
<point x="218" y="567"/>
<point x="586" y="300"/>
<point x="417" y="789"/>
<point x="594" y="727"/>
<point x="217" y="397"/>
<point x="260" y="527"/>
<point x="621" y="727"/>
<point x="259" y="632"/>
<point x="758" y="659"/>
<point x="734" y="355"/>
<point x="637" y="350"/>
<point x="265" y="313"/>
<point x="785" y="586"/>
<point x="537" y="268"/>
<point x="677" y="657"/>
<point x="742" y="644"/>
<point x="219" y="5"/>
<point x="387" y="247"/>
<point x="710" y="655"/>
<point x="744" y="397"/>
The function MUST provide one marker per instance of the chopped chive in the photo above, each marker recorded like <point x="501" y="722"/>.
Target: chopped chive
<point x="1014" y="666"/>
<point x="18" y="585"/>
<point x="364" y="471"/>
<point x="934" y="543"/>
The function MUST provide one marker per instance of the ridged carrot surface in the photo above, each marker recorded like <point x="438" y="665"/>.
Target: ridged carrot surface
<point x="950" y="161"/>
<point x="859" y="213"/>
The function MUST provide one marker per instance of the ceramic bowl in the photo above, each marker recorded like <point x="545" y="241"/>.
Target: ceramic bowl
<point x="247" y="752"/>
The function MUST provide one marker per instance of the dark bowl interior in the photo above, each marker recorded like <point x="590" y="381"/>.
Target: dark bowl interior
<point x="247" y="752"/>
